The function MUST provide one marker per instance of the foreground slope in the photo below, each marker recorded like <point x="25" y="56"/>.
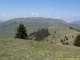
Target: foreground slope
<point x="11" y="49"/>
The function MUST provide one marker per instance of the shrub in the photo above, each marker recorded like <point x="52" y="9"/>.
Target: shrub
<point x="72" y="36"/>
<point x="65" y="43"/>
<point x="77" y="41"/>
<point x="66" y="38"/>
<point x="54" y="31"/>
<point x="61" y="41"/>
<point x="71" y="27"/>
<point x="40" y="34"/>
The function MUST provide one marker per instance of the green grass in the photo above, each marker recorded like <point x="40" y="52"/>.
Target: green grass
<point x="61" y="32"/>
<point x="17" y="49"/>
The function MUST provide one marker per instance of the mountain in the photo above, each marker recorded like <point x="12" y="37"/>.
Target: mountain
<point x="1" y="20"/>
<point x="8" y="28"/>
<point x="76" y="22"/>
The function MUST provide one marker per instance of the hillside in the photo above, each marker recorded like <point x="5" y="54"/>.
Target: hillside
<point x="8" y="28"/>
<point x="57" y="33"/>
<point x="75" y="22"/>
<point x="11" y="49"/>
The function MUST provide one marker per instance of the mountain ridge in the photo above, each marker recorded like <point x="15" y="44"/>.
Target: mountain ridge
<point x="32" y="24"/>
<point x="1" y="20"/>
<point x="76" y="22"/>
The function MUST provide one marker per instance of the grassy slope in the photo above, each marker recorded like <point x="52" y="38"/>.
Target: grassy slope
<point x="61" y="32"/>
<point x="11" y="49"/>
<point x="16" y="49"/>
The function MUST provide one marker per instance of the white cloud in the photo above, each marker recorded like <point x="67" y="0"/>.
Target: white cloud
<point x="33" y="13"/>
<point x="24" y="12"/>
<point x="50" y="8"/>
<point x="25" y="16"/>
<point x="37" y="15"/>
<point x="58" y="16"/>
<point x="3" y="15"/>
<point x="73" y="14"/>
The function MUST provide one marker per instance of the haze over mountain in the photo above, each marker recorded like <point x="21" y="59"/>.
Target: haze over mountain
<point x="8" y="28"/>
<point x="1" y="20"/>
<point x="76" y="22"/>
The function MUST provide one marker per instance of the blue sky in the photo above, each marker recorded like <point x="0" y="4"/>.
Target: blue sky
<point x="68" y="10"/>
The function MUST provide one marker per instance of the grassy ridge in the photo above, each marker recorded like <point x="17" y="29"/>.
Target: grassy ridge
<point x="11" y="49"/>
<point x="58" y="33"/>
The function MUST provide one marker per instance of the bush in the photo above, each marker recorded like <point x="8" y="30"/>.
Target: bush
<point x="54" y="31"/>
<point x="40" y="34"/>
<point x="66" y="38"/>
<point x="65" y="43"/>
<point x="71" y="28"/>
<point x="61" y="41"/>
<point x="77" y="41"/>
<point x="47" y="39"/>
<point x="72" y="36"/>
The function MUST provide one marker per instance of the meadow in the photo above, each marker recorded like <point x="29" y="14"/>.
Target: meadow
<point x="17" y="49"/>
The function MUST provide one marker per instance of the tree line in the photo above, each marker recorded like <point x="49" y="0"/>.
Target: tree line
<point x="21" y="33"/>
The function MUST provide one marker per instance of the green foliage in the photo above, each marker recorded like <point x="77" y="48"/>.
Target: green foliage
<point x="54" y="31"/>
<point x="40" y="34"/>
<point x="65" y="43"/>
<point x="21" y="32"/>
<point x="47" y="39"/>
<point x="77" y="41"/>
<point x="72" y="36"/>
<point x="71" y="27"/>
<point x="61" y="41"/>
<point x="66" y="38"/>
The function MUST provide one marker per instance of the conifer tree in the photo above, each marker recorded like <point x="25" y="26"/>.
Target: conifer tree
<point x="77" y="41"/>
<point x="21" y="32"/>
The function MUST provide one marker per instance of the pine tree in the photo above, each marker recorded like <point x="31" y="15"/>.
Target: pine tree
<point x="21" y="32"/>
<point x="40" y="34"/>
<point x="77" y="41"/>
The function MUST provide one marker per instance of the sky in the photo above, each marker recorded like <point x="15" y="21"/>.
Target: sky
<point x="67" y="10"/>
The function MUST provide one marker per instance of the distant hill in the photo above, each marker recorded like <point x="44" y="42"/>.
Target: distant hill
<point x="57" y="33"/>
<point x="76" y="22"/>
<point x="8" y="28"/>
<point x="1" y="20"/>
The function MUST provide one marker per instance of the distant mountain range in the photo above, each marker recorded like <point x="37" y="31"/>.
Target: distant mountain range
<point x="1" y="20"/>
<point x="8" y="28"/>
<point x="76" y="22"/>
